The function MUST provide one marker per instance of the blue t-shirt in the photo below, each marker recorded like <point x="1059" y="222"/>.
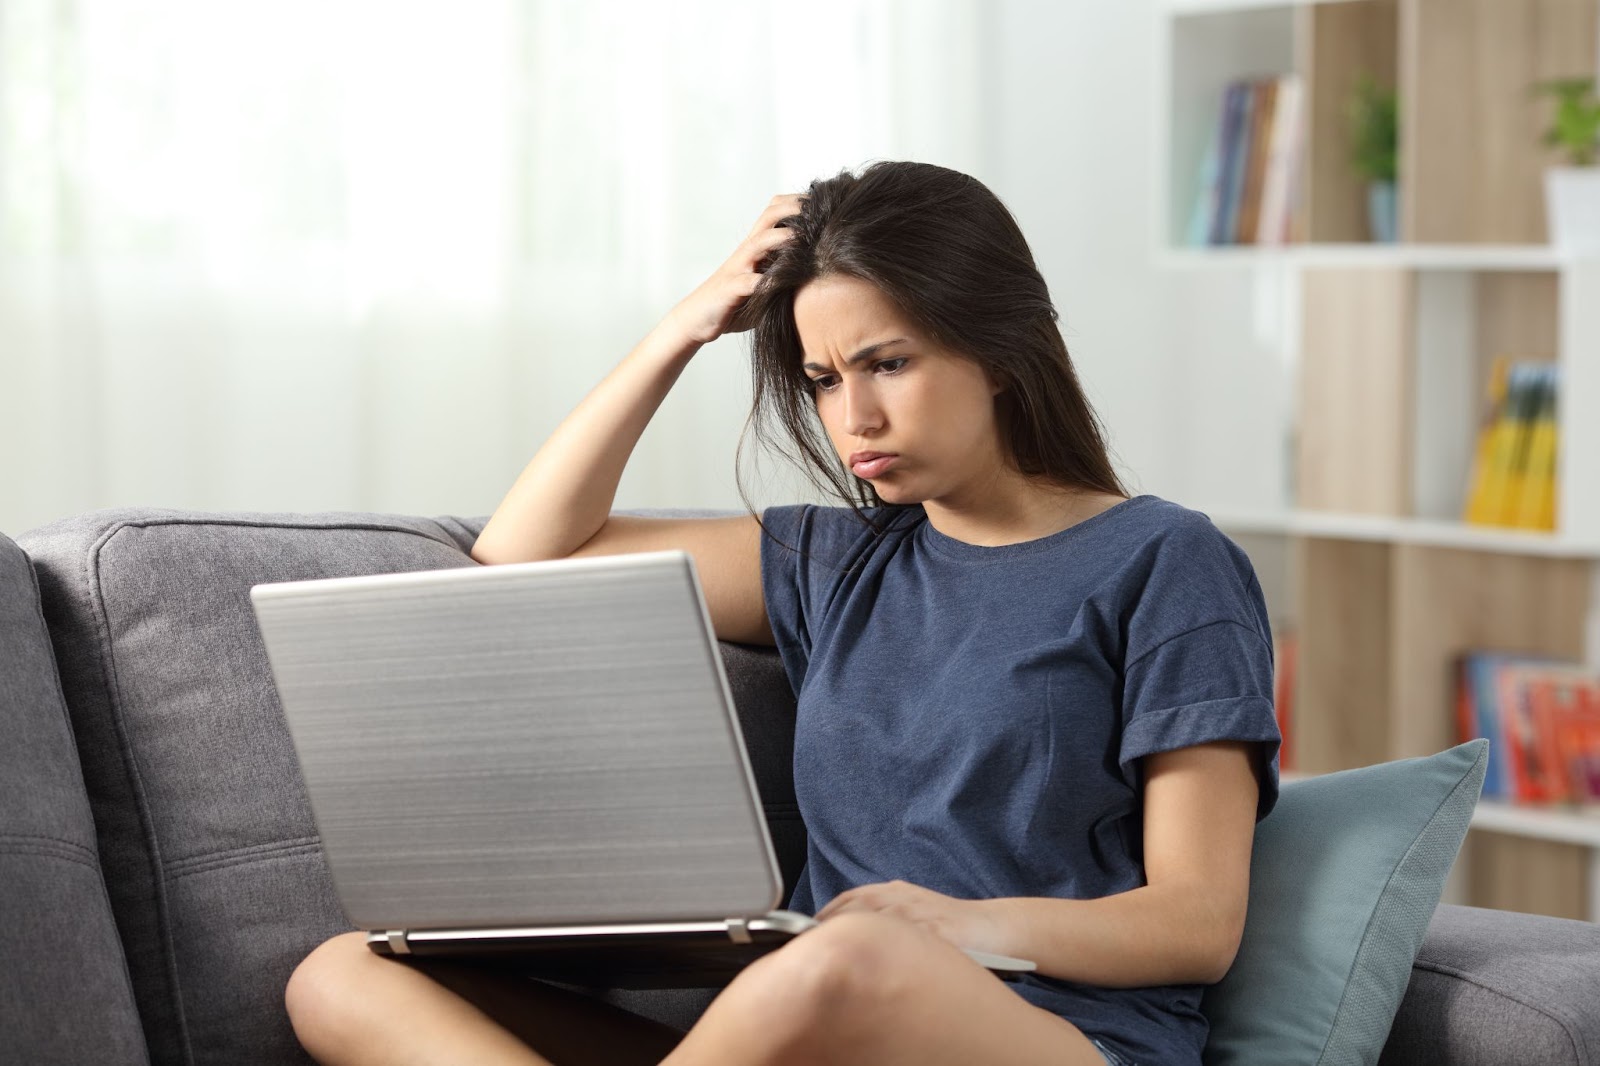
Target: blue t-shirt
<point x="970" y="718"/>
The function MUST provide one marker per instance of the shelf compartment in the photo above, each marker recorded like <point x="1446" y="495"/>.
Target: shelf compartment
<point x="1337" y="44"/>
<point x="1381" y="627"/>
<point x="1471" y="161"/>
<point x="1206" y="50"/>
<point x="1393" y="372"/>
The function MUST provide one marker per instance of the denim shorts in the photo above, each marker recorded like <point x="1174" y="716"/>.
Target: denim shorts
<point x="1112" y="1058"/>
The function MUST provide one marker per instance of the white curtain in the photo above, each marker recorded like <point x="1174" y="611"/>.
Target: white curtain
<point x="342" y="255"/>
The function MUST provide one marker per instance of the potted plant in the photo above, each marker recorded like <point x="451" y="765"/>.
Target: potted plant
<point x="1374" y="117"/>
<point x="1572" y="193"/>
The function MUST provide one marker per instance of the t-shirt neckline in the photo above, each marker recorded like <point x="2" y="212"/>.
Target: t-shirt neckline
<point x="960" y="549"/>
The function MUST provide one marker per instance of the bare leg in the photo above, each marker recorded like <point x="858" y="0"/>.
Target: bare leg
<point x="865" y="989"/>
<point x="351" y="1007"/>
<point x="876" y="990"/>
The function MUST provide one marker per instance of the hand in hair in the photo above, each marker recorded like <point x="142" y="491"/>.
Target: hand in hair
<point x="713" y="309"/>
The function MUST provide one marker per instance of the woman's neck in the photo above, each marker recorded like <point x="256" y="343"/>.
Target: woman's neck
<point x="1016" y="510"/>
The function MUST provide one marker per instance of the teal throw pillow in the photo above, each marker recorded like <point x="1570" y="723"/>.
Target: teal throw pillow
<point x="1345" y="876"/>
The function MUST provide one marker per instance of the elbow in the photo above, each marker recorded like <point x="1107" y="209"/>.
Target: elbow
<point x="1218" y="960"/>
<point x="1217" y="965"/>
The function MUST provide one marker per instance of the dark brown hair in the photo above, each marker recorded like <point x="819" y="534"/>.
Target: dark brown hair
<point x="948" y="254"/>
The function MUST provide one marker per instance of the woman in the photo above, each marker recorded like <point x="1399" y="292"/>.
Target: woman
<point x="1035" y="714"/>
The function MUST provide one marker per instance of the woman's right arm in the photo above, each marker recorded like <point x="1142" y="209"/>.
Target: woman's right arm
<point x="560" y="505"/>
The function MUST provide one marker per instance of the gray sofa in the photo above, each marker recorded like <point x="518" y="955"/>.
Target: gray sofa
<point x="161" y="874"/>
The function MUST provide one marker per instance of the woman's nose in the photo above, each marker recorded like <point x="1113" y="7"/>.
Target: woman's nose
<point x="861" y="410"/>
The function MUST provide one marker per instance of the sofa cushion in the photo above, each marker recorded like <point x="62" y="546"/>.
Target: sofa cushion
<point x="215" y="868"/>
<point x="65" y="995"/>
<point x="1491" y="987"/>
<point x="1346" y="872"/>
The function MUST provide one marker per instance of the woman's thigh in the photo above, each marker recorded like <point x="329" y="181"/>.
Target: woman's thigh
<point x="564" y="1026"/>
<point x="344" y="993"/>
<point x="873" y="988"/>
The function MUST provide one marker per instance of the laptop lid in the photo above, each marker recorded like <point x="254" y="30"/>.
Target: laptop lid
<point x="549" y="743"/>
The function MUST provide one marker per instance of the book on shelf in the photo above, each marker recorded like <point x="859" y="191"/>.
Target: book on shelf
<point x="1285" y="649"/>
<point x="1513" y="479"/>
<point x="1542" y="720"/>
<point x="1245" y="193"/>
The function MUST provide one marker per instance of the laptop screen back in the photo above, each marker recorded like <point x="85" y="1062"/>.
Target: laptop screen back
<point x="528" y="744"/>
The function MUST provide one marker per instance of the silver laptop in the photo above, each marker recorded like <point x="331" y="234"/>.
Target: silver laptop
<point x="537" y="764"/>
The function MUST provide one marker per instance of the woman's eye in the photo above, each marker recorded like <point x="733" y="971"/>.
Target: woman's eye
<point x="898" y="363"/>
<point x="826" y="384"/>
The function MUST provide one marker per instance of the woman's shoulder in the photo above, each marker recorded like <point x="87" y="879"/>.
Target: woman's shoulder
<point x="1177" y="526"/>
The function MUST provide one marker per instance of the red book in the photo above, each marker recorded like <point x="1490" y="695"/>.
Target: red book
<point x="1529" y="777"/>
<point x="1285" y="648"/>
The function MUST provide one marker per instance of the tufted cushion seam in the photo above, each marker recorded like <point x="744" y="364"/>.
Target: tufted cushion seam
<point x="43" y="850"/>
<point x="208" y="857"/>
<point x="44" y="840"/>
<point x="244" y="857"/>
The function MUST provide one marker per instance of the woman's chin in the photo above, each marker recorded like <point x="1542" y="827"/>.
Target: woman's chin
<point x="890" y="492"/>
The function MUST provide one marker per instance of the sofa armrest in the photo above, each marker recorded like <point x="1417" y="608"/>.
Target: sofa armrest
<point x="1492" y="987"/>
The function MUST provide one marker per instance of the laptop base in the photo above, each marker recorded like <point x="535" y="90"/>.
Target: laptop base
<point x="634" y="956"/>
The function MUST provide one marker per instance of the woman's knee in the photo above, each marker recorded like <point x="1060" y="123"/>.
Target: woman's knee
<point x="325" y="989"/>
<point x="848" y="963"/>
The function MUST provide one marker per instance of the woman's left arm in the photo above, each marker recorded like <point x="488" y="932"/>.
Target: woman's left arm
<point x="1182" y="927"/>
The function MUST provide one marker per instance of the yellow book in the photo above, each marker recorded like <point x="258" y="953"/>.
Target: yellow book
<point x="1536" y="508"/>
<point x="1483" y="484"/>
<point x="1511" y="455"/>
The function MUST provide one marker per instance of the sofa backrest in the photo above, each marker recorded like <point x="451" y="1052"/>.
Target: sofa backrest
<point x="65" y="994"/>
<point x="215" y="870"/>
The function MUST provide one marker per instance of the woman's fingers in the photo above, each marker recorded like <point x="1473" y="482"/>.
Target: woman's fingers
<point x="782" y="206"/>
<point x="758" y="245"/>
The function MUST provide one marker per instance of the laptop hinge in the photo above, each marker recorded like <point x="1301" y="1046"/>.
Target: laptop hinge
<point x="738" y="931"/>
<point x="397" y="941"/>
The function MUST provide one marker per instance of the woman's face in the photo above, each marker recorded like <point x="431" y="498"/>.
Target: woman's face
<point x="929" y="408"/>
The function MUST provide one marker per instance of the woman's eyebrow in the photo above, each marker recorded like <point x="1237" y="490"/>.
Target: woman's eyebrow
<point x="866" y="353"/>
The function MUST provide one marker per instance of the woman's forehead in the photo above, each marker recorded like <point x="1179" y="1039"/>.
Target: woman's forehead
<point x="837" y="317"/>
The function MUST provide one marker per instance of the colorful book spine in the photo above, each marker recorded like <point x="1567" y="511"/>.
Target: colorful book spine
<point x="1285" y="654"/>
<point x="1239" y="152"/>
<point x="1208" y="193"/>
<point x="1282" y="171"/>
<point x="1535" y="503"/>
<point x="1245" y="191"/>
<point x="1542" y="720"/>
<point x="1234" y="100"/>
<point x="1263" y="94"/>
<point x="1481" y="489"/>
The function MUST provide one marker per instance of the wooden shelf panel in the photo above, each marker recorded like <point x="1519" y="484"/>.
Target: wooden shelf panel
<point x="1357" y="383"/>
<point x="1471" y="161"/>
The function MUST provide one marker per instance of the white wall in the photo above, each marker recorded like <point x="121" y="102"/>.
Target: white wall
<point x="313" y="395"/>
<point x="1069" y="121"/>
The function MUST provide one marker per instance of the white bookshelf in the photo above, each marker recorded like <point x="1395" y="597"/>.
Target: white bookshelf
<point x="1257" y="354"/>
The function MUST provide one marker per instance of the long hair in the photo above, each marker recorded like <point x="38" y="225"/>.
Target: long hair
<point x="948" y="254"/>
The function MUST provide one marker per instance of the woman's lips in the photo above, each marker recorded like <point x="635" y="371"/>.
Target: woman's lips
<point x="871" y="468"/>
